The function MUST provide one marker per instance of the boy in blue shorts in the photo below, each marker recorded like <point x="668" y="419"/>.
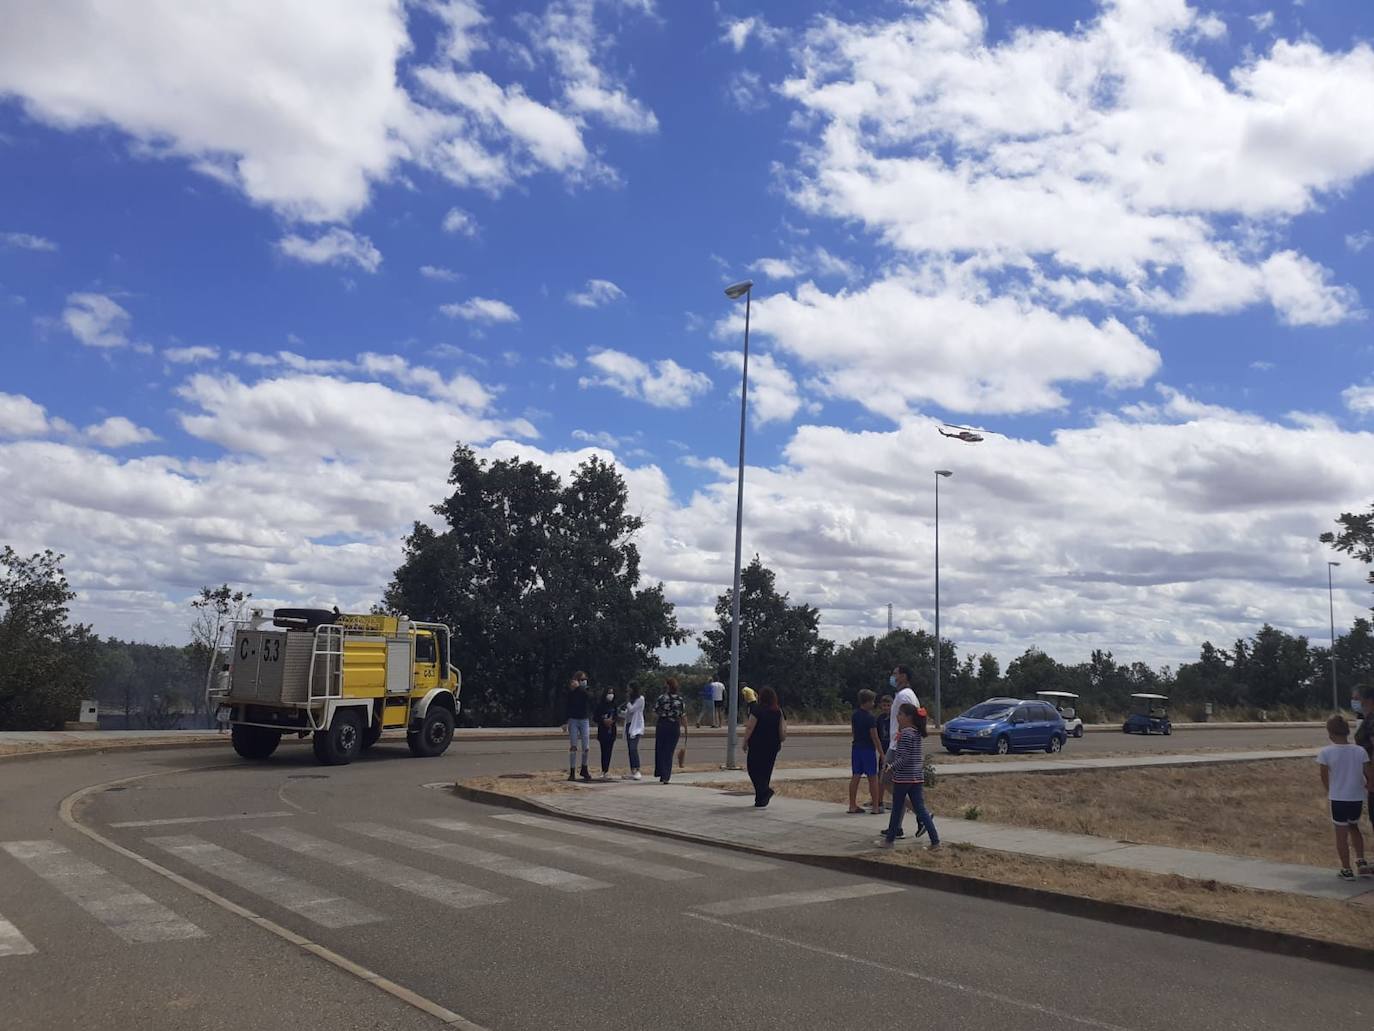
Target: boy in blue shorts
<point x="1347" y="777"/>
<point x="864" y="752"/>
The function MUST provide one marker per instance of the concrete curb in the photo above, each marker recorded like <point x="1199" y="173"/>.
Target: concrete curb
<point x="110" y="746"/>
<point x="1217" y="932"/>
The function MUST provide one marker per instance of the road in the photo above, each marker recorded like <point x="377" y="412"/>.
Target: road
<point x="515" y="924"/>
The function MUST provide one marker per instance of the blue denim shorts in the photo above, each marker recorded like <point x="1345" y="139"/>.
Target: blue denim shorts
<point x="863" y="760"/>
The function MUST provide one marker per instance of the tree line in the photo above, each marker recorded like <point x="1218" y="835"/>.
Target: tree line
<point x="539" y="576"/>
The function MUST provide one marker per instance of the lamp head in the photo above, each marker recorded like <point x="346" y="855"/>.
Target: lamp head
<point x="1333" y="563"/>
<point x="944" y="472"/>
<point x="737" y="290"/>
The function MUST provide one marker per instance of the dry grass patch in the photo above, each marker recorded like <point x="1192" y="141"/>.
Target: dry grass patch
<point x="1270" y="809"/>
<point x="1346" y="923"/>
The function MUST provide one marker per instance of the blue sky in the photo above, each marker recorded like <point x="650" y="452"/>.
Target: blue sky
<point x="258" y="273"/>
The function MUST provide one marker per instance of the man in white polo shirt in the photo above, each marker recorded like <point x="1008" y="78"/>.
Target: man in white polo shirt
<point x="900" y="682"/>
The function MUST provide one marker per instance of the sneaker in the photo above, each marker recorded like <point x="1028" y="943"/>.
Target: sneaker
<point x="934" y="847"/>
<point x="921" y="831"/>
<point x="636" y="775"/>
<point x="1346" y="875"/>
<point x="606" y="775"/>
<point x="885" y="842"/>
<point x="1363" y="868"/>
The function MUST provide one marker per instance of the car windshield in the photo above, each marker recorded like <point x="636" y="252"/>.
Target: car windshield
<point x="988" y="711"/>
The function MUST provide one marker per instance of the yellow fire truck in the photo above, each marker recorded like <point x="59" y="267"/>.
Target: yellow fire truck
<point x="341" y="678"/>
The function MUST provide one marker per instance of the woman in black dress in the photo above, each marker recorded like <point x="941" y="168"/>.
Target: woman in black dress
<point x="763" y="737"/>
<point x="671" y="711"/>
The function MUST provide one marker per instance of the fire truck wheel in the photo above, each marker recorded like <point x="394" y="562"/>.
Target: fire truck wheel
<point x="434" y="735"/>
<point x="342" y="742"/>
<point x="254" y="742"/>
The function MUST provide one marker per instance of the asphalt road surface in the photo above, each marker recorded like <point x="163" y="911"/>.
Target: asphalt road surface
<point x="513" y="923"/>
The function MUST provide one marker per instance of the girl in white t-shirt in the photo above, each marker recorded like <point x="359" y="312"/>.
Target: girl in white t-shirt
<point x="633" y="714"/>
<point x="1348" y="778"/>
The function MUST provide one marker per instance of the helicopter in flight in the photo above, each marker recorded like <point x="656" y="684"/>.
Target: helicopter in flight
<point x="964" y="433"/>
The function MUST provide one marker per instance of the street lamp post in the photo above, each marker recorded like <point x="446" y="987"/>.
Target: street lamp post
<point x="735" y="291"/>
<point x="938" y="473"/>
<point x="1331" y="611"/>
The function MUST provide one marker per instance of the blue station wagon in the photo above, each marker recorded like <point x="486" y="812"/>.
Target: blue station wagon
<point x="1003" y="725"/>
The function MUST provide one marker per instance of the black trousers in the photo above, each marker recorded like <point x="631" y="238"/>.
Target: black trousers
<point x="759" y="763"/>
<point x="606" y="739"/>
<point x="666" y="733"/>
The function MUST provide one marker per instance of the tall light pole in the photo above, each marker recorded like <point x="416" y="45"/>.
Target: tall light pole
<point x="938" y="473"/>
<point x="735" y="291"/>
<point x="1331" y="611"/>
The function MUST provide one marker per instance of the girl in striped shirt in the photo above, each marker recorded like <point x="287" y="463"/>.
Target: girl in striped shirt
<point x="908" y="778"/>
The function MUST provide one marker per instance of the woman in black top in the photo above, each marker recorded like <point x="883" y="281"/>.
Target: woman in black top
<point x="672" y="721"/>
<point x="605" y="730"/>
<point x="763" y="737"/>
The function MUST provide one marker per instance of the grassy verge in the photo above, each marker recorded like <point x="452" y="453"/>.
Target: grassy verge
<point x="1273" y="809"/>
<point x="1345" y="923"/>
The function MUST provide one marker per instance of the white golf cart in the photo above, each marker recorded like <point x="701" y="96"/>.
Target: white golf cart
<point x="1063" y="701"/>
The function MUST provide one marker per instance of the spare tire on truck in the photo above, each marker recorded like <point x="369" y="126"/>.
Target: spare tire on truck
<point x="302" y="619"/>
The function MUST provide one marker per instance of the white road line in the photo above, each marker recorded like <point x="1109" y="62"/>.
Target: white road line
<point x="506" y="866"/>
<point x="611" y="861"/>
<point x="639" y="843"/>
<point x="797" y="898"/>
<point x="128" y="913"/>
<point x="176" y="820"/>
<point x="418" y="882"/>
<point x="12" y="943"/>
<point x="939" y="982"/>
<point x="315" y="904"/>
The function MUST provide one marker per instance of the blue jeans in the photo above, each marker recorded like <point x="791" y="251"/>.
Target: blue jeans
<point x="917" y="794"/>
<point x="579" y="732"/>
<point x="632" y="742"/>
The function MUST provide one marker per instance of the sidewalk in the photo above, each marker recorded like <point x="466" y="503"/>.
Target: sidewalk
<point x="793" y="826"/>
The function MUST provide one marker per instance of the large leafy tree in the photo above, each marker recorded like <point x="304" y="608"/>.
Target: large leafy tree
<point x="538" y="578"/>
<point x="45" y="668"/>
<point x="780" y="643"/>
<point x="1355" y="537"/>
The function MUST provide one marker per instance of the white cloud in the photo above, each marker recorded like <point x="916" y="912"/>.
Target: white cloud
<point x="1359" y="399"/>
<point x="96" y="320"/>
<point x="563" y="360"/>
<point x="460" y="222"/>
<point x="1262" y="366"/>
<point x="663" y="384"/>
<point x="336" y="246"/>
<point x="904" y="340"/>
<point x="26" y="242"/>
<point x="600" y="438"/>
<point x="1263" y="22"/>
<point x="773" y="393"/>
<point x="738" y="32"/>
<point x="569" y="35"/>
<point x="118" y="432"/>
<point x="596" y="294"/>
<point x="440" y="274"/>
<point x="1357" y="242"/>
<point x="818" y="261"/>
<point x="1107" y="166"/>
<point x="333" y="115"/>
<point x="190" y="355"/>
<point x="775" y="268"/>
<point x="481" y="309"/>
<point x="21" y="416"/>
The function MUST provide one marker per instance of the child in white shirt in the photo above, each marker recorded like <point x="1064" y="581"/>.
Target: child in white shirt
<point x="1347" y="776"/>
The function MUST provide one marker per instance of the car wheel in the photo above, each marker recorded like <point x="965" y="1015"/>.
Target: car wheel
<point x="1125" y="728"/>
<point x="342" y="742"/>
<point x="1078" y="730"/>
<point x="954" y="751"/>
<point x="1056" y="743"/>
<point x="434" y="735"/>
<point x="1003" y="745"/>
<point x="254" y="742"/>
<point x="1168" y="729"/>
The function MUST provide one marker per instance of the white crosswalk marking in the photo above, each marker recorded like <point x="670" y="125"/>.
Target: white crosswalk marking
<point x="418" y="882"/>
<point x="639" y="843"/>
<point x="611" y="861"/>
<point x="796" y="898"/>
<point x="173" y="821"/>
<point x="12" y="943"/>
<point x="315" y="904"/>
<point x="128" y="913"/>
<point x="506" y="866"/>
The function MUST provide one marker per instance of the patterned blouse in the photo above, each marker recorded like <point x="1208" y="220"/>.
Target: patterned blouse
<point x="670" y="707"/>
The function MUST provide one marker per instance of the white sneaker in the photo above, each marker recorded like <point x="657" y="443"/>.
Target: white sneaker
<point x="636" y="775"/>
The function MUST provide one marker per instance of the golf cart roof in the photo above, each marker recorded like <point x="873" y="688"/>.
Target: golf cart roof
<point x="1152" y="697"/>
<point x="1056" y="694"/>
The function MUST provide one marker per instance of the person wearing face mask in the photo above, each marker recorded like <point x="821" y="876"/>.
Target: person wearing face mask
<point x="605" y="730"/>
<point x="900" y="682"/>
<point x="577" y="724"/>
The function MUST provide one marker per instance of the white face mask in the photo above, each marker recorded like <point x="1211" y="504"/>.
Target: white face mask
<point x="610" y="696"/>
